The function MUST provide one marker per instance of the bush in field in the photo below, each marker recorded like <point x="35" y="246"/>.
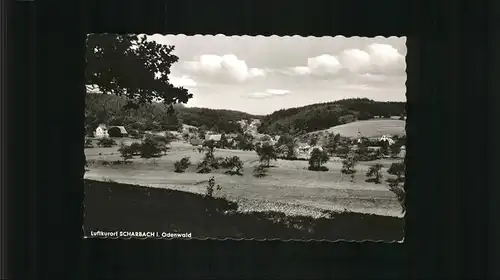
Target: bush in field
<point x="398" y="169"/>
<point x="375" y="173"/>
<point x="266" y="152"/>
<point x="349" y="167"/>
<point x="182" y="165"/>
<point x="209" y="161"/>
<point x="343" y="150"/>
<point x="106" y="142"/>
<point x="317" y="159"/>
<point x="211" y="187"/>
<point x="331" y="143"/>
<point x="384" y="147"/>
<point x="400" y="193"/>
<point x="260" y="171"/>
<point x="362" y="150"/>
<point x="244" y="141"/>
<point x="125" y="152"/>
<point x="88" y="143"/>
<point x="395" y="150"/>
<point x="151" y="148"/>
<point x="135" y="148"/>
<point x="234" y="164"/>
<point x="286" y="146"/>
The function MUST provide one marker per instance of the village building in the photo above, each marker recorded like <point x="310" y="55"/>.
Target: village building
<point x="117" y="131"/>
<point x="101" y="131"/>
<point x="196" y="141"/>
<point x="387" y="138"/>
<point x="214" y="137"/>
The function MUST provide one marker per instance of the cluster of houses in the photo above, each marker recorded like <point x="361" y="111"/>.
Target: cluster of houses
<point x="102" y="131"/>
<point x="302" y="149"/>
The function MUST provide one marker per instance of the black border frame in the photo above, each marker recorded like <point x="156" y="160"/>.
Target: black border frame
<point x="449" y="94"/>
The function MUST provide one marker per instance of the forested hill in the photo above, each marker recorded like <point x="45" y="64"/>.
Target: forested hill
<point x="109" y="109"/>
<point x="325" y="115"/>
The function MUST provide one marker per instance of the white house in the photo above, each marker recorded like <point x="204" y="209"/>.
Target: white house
<point x="215" y="137"/>
<point x="387" y="138"/>
<point x="402" y="153"/>
<point x="101" y="131"/>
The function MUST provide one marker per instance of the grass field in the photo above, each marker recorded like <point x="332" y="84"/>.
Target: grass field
<point x="369" y="128"/>
<point x="289" y="187"/>
<point x="111" y="207"/>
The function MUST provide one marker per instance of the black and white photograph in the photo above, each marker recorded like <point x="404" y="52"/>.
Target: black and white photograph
<point x="245" y="137"/>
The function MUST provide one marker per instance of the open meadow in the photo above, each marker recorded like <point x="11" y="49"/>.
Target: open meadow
<point x="289" y="187"/>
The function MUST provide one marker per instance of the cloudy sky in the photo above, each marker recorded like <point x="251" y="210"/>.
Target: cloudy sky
<point x="262" y="74"/>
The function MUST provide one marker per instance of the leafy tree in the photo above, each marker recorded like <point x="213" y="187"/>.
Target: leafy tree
<point x="150" y="147"/>
<point x="260" y="171"/>
<point x="135" y="148"/>
<point x="317" y="159"/>
<point x="234" y="164"/>
<point x="313" y="141"/>
<point x="400" y="193"/>
<point x="209" y="161"/>
<point x="170" y="120"/>
<point x="211" y="187"/>
<point x="266" y="153"/>
<point x="384" y="147"/>
<point x="223" y="143"/>
<point x="331" y="143"/>
<point x="88" y="143"/>
<point x="131" y="66"/>
<point x="343" y="150"/>
<point x="349" y="167"/>
<point x="362" y="150"/>
<point x="182" y="165"/>
<point x="244" y="141"/>
<point x="289" y="145"/>
<point x="398" y="169"/>
<point x="375" y="171"/>
<point x="106" y="142"/>
<point x="395" y="150"/>
<point x="125" y="152"/>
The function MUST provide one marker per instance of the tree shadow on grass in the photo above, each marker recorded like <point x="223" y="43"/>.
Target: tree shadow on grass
<point x="113" y="206"/>
<point x="373" y="180"/>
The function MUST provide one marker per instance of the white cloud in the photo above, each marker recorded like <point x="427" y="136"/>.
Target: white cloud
<point x="225" y="67"/>
<point x="378" y="59"/>
<point x="277" y="91"/>
<point x="184" y="81"/>
<point x="269" y="93"/>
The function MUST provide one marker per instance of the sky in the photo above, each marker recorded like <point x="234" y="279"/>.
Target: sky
<point x="260" y="75"/>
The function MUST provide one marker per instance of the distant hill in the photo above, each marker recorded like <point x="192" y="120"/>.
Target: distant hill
<point x="326" y="115"/>
<point x="369" y="128"/>
<point x="108" y="109"/>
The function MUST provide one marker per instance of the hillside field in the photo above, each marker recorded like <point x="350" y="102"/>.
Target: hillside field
<point x="369" y="128"/>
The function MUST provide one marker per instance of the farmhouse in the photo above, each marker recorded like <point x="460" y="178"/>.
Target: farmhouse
<point x="195" y="141"/>
<point x="101" y="131"/>
<point x="387" y="138"/>
<point x="214" y="137"/>
<point x="117" y="131"/>
<point x="402" y="153"/>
